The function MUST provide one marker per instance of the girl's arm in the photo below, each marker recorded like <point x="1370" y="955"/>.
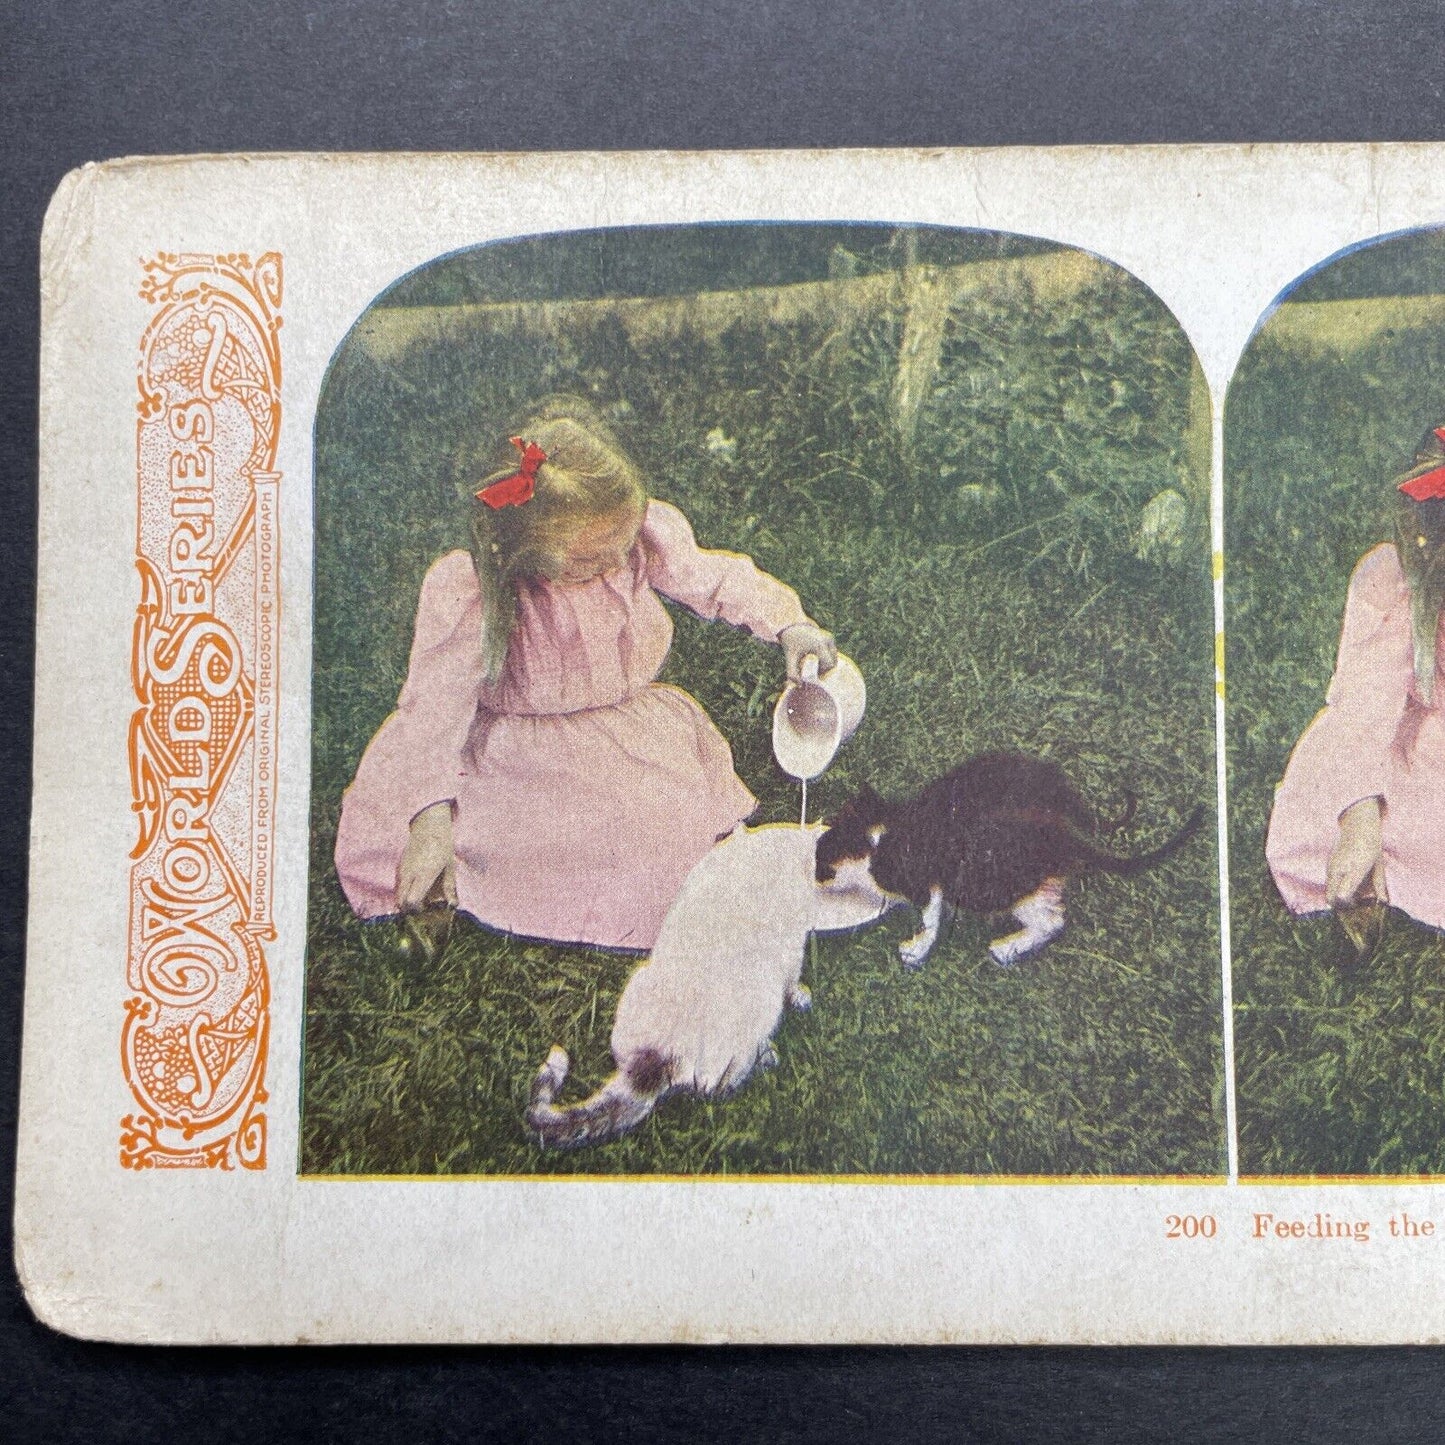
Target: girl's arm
<point x="1352" y="737"/>
<point x="1366" y="703"/>
<point x="438" y="702"/>
<point x="730" y="586"/>
<point x="409" y="774"/>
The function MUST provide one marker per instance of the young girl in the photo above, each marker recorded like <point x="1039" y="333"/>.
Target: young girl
<point x="1360" y="814"/>
<point x="534" y="774"/>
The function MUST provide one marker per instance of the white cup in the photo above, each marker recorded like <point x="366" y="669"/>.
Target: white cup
<point x="816" y="715"/>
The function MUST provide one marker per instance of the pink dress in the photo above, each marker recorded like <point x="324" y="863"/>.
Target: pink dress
<point x="583" y="791"/>
<point x="1374" y="738"/>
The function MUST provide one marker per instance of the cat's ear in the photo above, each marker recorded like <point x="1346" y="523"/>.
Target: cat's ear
<point x="868" y="795"/>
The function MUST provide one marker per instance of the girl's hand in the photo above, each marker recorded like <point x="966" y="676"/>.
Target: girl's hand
<point x="806" y="639"/>
<point x="1357" y="855"/>
<point x="427" y="859"/>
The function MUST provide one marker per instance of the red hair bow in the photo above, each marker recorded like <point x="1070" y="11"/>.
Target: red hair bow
<point x="1429" y="485"/>
<point x="512" y="491"/>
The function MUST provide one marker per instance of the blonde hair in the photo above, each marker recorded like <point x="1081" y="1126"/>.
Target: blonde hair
<point x="587" y="476"/>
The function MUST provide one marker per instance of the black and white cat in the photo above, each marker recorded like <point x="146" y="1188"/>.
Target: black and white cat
<point x="1000" y="834"/>
<point x="700" y="1013"/>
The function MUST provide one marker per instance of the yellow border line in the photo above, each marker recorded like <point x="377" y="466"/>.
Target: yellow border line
<point x="924" y="1179"/>
<point x="955" y="1180"/>
<point x="1318" y="1179"/>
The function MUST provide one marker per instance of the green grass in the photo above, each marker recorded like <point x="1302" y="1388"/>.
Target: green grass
<point x="984" y="580"/>
<point x="1339" y="1069"/>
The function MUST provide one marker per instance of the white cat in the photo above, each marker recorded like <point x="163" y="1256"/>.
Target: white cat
<point x="700" y="1014"/>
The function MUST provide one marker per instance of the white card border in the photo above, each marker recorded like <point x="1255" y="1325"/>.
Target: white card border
<point x="1217" y="232"/>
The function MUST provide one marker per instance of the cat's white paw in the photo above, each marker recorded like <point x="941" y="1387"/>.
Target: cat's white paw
<point x="800" y="998"/>
<point x="1005" y="952"/>
<point x="768" y="1057"/>
<point x="1016" y="946"/>
<point x="914" y="950"/>
<point x="1042" y="917"/>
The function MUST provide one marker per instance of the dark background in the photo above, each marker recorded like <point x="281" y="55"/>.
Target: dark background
<point x="86" y="81"/>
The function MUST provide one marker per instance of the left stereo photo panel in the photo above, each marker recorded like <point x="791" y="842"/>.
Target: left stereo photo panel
<point x="549" y="473"/>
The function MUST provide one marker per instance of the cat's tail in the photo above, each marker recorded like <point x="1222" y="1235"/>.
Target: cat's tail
<point x="1105" y="862"/>
<point x="622" y="1103"/>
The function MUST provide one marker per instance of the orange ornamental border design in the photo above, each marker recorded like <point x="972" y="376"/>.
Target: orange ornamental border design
<point x="202" y="742"/>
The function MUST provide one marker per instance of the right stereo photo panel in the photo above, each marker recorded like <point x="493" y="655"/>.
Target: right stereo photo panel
<point x="1334" y="585"/>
